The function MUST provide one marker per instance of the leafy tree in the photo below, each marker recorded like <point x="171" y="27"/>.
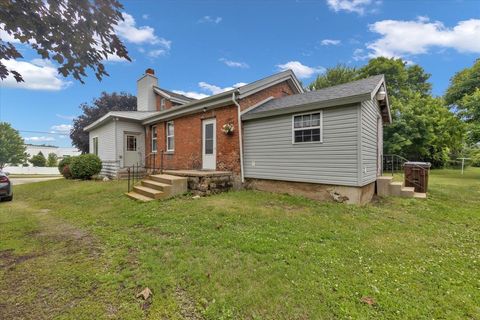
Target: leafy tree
<point x="424" y="129"/>
<point x="400" y="78"/>
<point x="77" y="34"/>
<point x="38" y="160"/>
<point x="463" y="83"/>
<point x="334" y="76"/>
<point x="98" y="108"/>
<point x="52" y="160"/>
<point x="463" y="96"/>
<point x="12" y="146"/>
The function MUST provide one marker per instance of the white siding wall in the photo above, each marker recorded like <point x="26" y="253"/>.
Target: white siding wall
<point x="270" y="154"/>
<point x="370" y="141"/>
<point x="130" y="127"/>
<point x="111" y="140"/>
<point x="106" y="141"/>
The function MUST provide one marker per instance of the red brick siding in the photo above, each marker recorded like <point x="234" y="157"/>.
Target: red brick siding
<point x="188" y="141"/>
<point x="188" y="134"/>
<point x="168" y="103"/>
<point x="277" y="91"/>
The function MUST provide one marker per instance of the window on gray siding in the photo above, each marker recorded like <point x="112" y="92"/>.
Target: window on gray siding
<point x="170" y="136"/>
<point x="307" y="127"/>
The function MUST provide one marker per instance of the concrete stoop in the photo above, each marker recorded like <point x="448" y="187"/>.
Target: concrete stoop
<point x="158" y="186"/>
<point x="387" y="187"/>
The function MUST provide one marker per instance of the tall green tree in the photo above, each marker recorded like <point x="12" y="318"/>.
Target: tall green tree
<point x="38" y="160"/>
<point x="334" y="76"/>
<point x="463" y="96"/>
<point x="423" y="129"/>
<point x="52" y="160"/>
<point x="96" y="109"/>
<point x="400" y="77"/>
<point x="76" y="34"/>
<point x="12" y="146"/>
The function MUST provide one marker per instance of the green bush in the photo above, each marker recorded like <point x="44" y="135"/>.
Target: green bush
<point x="475" y="157"/>
<point x="65" y="162"/>
<point x="85" y="166"/>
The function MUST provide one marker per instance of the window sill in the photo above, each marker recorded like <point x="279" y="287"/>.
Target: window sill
<point x="169" y="152"/>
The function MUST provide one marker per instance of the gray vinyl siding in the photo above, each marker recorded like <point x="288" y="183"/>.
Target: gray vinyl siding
<point x="270" y="154"/>
<point x="369" y="142"/>
<point x="106" y="141"/>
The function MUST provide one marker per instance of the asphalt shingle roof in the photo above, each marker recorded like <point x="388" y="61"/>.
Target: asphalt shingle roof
<point x="177" y="95"/>
<point x="350" y="89"/>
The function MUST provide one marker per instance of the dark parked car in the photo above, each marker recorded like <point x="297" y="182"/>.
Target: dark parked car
<point x="6" y="190"/>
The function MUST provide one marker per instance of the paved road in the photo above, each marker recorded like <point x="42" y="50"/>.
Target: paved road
<point x="18" y="181"/>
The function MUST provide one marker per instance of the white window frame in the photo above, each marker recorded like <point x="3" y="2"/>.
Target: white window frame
<point x="162" y="104"/>
<point x="307" y="128"/>
<point x="154" y="138"/>
<point x="95" y="145"/>
<point x="169" y="148"/>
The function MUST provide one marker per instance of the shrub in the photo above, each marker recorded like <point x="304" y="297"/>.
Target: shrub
<point x="63" y="163"/>
<point x="85" y="166"/>
<point x="475" y="157"/>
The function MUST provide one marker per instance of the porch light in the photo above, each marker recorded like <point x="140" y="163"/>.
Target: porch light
<point x="381" y="94"/>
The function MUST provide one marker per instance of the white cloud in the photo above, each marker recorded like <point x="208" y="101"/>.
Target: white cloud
<point x="192" y="94"/>
<point x="62" y="128"/>
<point x="156" y="53"/>
<point x="357" y="6"/>
<point x="330" y="42"/>
<point x="39" y="139"/>
<point x="38" y="75"/>
<point x="300" y="70"/>
<point x="234" y="64"/>
<point x="209" y="89"/>
<point x="403" y="38"/>
<point x="66" y="117"/>
<point x="145" y="16"/>
<point x="128" y="30"/>
<point x="210" y="19"/>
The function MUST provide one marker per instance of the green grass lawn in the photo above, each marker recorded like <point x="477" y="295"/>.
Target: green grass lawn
<point x="82" y="250"/>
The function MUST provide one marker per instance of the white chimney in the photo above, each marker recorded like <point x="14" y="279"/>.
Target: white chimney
<point x="145" y="96"/>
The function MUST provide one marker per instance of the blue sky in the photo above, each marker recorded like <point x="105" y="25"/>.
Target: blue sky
<point x="203" y="47"/>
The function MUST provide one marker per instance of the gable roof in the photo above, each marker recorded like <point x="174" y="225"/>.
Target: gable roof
<point x="351" y="92"/>
<point x="136" y="116"/>
<point x="174" y="97"/>
<point x="225" y="97"/>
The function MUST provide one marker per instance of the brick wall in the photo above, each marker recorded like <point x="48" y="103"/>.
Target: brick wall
<point x="277" y="91"/>
<point x="188" y="134"/>
<point x="168" y="103"/>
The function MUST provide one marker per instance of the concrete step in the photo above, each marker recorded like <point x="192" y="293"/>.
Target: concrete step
<point x="383" y="183"/>
<point x="138" y="197"/>
<point x="420" y="195"/>
<point x="179" y="184"/>
<point x="395" y="188"/>
<point x="408" y="192"/>
<point x="149" y="192"/>
<point x="157" y="185"/>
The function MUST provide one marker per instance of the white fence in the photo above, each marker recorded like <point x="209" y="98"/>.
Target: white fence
<point x="31" y="170"/>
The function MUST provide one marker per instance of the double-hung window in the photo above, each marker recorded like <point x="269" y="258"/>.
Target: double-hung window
<point x="307" y="127"/>
<point x="154" y="139"/>
<point x="95" y="146"/>
<point x="170" y="137"/>
<point x="162" y="104"/>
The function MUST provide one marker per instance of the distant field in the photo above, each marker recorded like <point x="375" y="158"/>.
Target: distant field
<point x="82" y="250"/>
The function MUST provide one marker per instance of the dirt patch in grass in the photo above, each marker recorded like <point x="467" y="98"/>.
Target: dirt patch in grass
<point x="9" y="260"/>
<point x="186" y="305"/>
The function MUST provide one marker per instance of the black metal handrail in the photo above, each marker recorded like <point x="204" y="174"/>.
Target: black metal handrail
<point x="394" y="163"/>
<point x="151" y="162"/>
<point x="133" y="176"/>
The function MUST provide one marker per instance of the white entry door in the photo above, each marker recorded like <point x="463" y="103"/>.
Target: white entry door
<point x="209" y="144"/>
<point x="131" y="152"/>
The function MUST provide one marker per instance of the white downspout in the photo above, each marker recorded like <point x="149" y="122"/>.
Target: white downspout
<point x="240" y="140"/>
